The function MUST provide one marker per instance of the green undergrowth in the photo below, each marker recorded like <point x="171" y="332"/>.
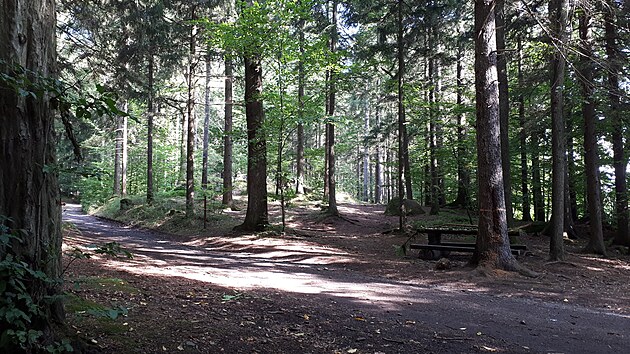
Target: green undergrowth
<point x="113" y="284"/>
<point x="91" y="303"/>
<point x="167" y="214"/>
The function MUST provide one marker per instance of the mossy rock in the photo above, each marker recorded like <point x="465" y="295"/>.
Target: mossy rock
<point x="412" y="207"/>
<point x="535" y="227"/>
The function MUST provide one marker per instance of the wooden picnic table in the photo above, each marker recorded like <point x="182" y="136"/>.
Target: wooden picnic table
<point x="436" y="249"/>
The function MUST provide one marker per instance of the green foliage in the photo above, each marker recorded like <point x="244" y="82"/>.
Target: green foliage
<point x="111" y="313"/>
<point x="19" y="310"/>
<point x="69" y="99"/>
<point x="111" y="249"/>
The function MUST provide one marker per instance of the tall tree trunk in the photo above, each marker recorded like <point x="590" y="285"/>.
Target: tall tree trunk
<point x="433" y="166"/>
<point x="622" y="237"/>
<point x="401" y="118"/>
<point x="151" y="114"/>
<point x="366" y="155"/>
<point x="559" y="16"/>
<point x="463" y="175"/>
<point x="527" y="212"/>
<point x="538" y="199"/>
<point x="330" y="131"/>
<point x="227" y="136"/>
<point x="570" y="182"/>
<point x="257" y="217"/>
<point x="206" y="126"/>
<point x="118" y="155"/>
<point x="439" y="133"/>
<point x="591" y="158"/>
<point x="299" y="163"/>
<point x="192" y="127"/>
<point x="388" y="171"/>
<point x="29" y="190"/>
<point x="406" y="162"/>
<point x="124" y="160"/>
<point x="378" y="158"/>
<point x="504" y="107"/>
<point x="181" y="181"/>
<point x="280" y="141"/>
<point x="326" y="146"/>
<point x="493" y="245"/>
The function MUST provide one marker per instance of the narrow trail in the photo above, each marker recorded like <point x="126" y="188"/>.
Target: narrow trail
<point x="456" y="320"/>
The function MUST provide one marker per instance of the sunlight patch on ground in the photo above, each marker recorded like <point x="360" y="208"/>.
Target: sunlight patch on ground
<point x="293" y="282"/>
<point x="609" y="263"/>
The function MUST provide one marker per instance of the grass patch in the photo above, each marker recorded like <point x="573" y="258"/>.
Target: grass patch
<point x="166" y="213"/>
<point x="76" y="305"/>
<point x="112" y="284"/>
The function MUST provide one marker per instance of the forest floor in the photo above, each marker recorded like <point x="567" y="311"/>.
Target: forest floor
<point x="331" y="285"/>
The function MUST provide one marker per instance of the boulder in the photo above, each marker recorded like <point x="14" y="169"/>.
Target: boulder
<point x="411" y="207"/>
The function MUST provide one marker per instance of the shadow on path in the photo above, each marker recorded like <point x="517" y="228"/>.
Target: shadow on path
<point x="255" y="264"/>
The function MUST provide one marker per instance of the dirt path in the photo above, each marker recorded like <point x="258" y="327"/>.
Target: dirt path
<point x="300" y="296"/>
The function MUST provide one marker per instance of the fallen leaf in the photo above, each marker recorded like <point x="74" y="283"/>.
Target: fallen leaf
<point x="353" y="350"/>
<point x="359" y="318"/>
<point x="488" y="349"/>
<point x="306" y="317"/>
<point x="479" y="333"/>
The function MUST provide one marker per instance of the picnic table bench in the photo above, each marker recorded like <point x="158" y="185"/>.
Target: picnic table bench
<point x="436" y="249"/>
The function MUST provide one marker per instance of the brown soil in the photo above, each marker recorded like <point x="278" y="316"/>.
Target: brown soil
<point x="334" y="285"/>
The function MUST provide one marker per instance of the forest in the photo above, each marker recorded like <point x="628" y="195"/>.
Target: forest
<point x="221" y="117"/>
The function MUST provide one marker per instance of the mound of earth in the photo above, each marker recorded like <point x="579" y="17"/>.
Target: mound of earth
<point x="411" y="206"/>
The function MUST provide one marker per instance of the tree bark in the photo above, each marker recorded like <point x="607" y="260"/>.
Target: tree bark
<point x="493" y="245"/>
<point x="125" y="149"/>
<point x="330" y="131"/>
<point x="591" y="158"/>
<point x="206" y="126"/>
<point x="257" y="217"/>
<point x="406" y="162"/>
<point x="29" y="190"/>
<point x="558" y="12"/>
<point x="181" y="178"/>
<point x="504" y="107"/>
<point x="463" y="175"/>
<point x="378" y="158"/>
<point x="366" y="156"/>
<point x="614" y="58"/>
<point x="401" y="119"/>
<point x="571" y="163"/>
<point x="118" y="155"/>
<point x="527" y="212"/>
<point x="433" y="166"/>
<point x="299" y="173"/>
<point x="151" y="114"/>
<point x="227" y="137"/>
<point x="538" y="200"/>
<point x="192" y="126"/>
<point x="326" y="147"/>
